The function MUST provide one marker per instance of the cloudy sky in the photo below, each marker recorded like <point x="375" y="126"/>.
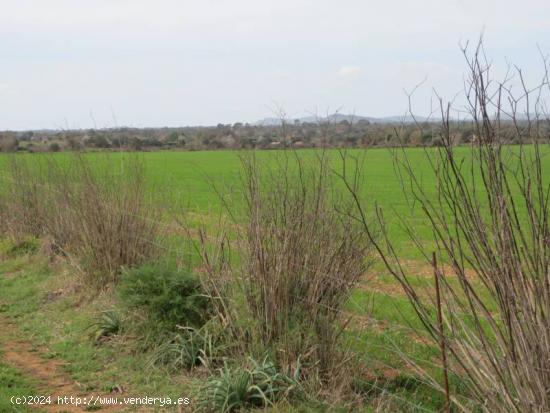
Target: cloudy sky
<point x="66" y="63"/>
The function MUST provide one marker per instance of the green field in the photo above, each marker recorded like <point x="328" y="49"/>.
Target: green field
<point x="194" y="181"/>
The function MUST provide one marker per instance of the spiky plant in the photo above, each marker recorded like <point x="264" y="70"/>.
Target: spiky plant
<point x="258" y="385"/>
<point x="186" y="349"/>
<point x="107" y="324"/>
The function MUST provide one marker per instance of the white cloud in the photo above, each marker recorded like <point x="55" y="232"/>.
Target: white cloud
<point x="349" y="71"/>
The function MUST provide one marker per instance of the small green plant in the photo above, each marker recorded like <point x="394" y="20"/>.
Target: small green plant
<point x="167" y="295"/>
<point x="259" y="385"/>
<point x="106" y="325"/>
<point x="27" y="246"/>
<point x="185" y="350"/>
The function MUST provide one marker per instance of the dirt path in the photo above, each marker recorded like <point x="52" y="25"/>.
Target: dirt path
<point x="47" y="373"/>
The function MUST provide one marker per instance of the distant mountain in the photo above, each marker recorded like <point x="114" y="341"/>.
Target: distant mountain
<point x="339" y="117"/>
<point x="270" y="122"/>
<point x="405" y="119"/>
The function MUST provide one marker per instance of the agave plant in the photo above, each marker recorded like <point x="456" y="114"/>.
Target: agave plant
<point x="185" y="350"/>
<point x="259" y="385"/>
<point x="107" y="324"/>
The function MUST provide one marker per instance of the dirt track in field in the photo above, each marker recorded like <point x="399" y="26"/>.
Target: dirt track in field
<point x="414" y="268"/>
<point x="47" y="373"/>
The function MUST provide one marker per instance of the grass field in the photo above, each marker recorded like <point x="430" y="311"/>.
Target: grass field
<point x="195" y="181"/>
<point x="52" y="313"/>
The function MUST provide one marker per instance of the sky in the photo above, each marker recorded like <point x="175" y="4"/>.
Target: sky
<point x="105" y="63"/>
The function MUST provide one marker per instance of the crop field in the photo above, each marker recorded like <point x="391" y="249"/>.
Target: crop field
<point x="57" y="313"/>
<point x="197" y="181"/>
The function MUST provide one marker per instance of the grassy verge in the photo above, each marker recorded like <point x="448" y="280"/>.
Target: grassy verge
<point x="53" y="312"/>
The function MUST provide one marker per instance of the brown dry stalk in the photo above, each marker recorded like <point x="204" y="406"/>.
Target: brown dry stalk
<point x="490" y="214"/>
<point x="300" y="256"/>
<point x="102" y="221"/>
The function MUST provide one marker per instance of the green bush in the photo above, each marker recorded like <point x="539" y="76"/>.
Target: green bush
<point x="166" y="295"/>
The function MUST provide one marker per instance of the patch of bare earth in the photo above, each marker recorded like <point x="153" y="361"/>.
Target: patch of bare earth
<point x="372" y="281"/>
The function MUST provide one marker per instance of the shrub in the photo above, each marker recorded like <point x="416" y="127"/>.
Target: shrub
<point x="300" y="255"/>
<point x="303" y="256"/>
<point x="115" y="221"/>
<point x="99" y="216"/>
<point x="54" y="147"/>
<point x="167" y="295"/>
<point x="23" y="200"/>
<point x="259" y="385"/>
